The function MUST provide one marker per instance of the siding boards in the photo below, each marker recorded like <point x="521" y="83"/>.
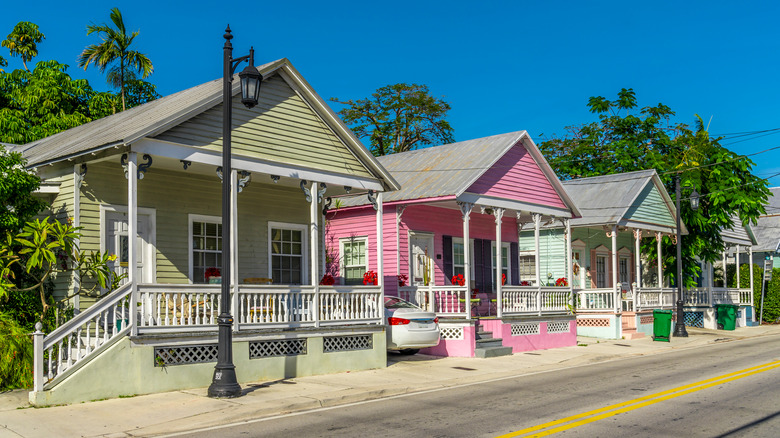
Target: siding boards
<point x="649" y="207"/>
<point x="282" y="128"/>
<point x="516" y="176"/>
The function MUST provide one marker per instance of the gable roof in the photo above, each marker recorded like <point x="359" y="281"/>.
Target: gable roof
<point x="614" y="200"/>
<point x="449" y="170"/>
<point x="767" y="231"/>
<point x="152" y="118"/>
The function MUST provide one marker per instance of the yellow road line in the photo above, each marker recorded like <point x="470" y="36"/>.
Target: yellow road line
<point x="609" y="411"/>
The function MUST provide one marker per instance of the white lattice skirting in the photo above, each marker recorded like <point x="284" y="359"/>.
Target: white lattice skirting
<point x="451" y="333"/>
<point x="525" y="329"/>
<point x="558" y="327"/>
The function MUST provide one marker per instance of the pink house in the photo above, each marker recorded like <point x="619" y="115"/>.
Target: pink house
<point x="449" y="243"/>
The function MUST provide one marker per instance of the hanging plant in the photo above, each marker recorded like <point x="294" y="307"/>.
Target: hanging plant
<point x="369" y="278"/>
<point x="458" y="280"/>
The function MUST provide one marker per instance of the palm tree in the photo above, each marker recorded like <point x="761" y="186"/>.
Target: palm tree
<point x="23" y="41"/>
<point x="115" y="48"/>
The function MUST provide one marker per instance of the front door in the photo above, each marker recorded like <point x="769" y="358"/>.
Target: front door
<point x="116" y="242"/>
<point x="421" y="259"/>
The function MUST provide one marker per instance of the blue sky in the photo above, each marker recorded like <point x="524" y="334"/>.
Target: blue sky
<point x="502" y="65"/>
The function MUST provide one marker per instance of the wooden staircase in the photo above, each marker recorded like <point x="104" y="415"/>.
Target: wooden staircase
<point x="488" y="346"/>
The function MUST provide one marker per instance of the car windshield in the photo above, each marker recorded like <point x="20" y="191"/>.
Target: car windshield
<point x="397" y="303"/>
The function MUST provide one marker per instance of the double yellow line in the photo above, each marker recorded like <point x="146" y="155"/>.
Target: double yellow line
<point x="610" y="411"/>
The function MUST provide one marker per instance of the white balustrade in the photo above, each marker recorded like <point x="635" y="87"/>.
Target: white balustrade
<point x="655" y="298"/>
<point x="175" y="305"/>
<point x="520" y="299"/>
<point x="443" y="300"/>
<point x="597" y="299"/>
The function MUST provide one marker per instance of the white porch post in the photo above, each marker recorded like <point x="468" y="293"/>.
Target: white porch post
<point x="234" y="247"/>
<point x="750" y="255"/>
<point x="465" y="210"/>
<point x="537" y="218"/>
<point x="725" y="281"/>
<point x="659" y="240"/>
<point x="615" y="268"/>
<point x="132" y="237"/>
<point x="78" y="179"/>
<point x="637" y="258"/>
<point x="736" y="259"/>
<point x="499" y="214"/>
<point x="314" y="231"/>
<point x="570" y="262"/>
<point x="380" y="265"/>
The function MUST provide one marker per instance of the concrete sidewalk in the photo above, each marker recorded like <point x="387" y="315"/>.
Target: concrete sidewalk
<point x="159" y="414"/>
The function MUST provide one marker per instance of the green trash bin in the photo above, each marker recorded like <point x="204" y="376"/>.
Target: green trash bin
<point x="727" y="316"/>
<point x="662" y="325"/>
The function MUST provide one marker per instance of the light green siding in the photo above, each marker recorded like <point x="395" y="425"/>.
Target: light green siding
<point x="552" y="249"/>
<point x="650" y="207"/>
<point x="174" y="196"/>
<point x="281" y="128"/>
<point x="62" y="210"/>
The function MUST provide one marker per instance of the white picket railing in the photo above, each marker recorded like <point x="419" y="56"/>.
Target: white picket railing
<point x="520" y="300"/>
<point x="655" y="298"/>
<point x="706" y="297"/>
<point x="175" y="305"/>
<point x="81" y="337"/>
<point x="598" y="299"/>
<point x="443" y="300"/>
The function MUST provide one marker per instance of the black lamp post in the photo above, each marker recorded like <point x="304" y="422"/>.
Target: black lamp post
<point x="224" y="382"/>
<point x="679" y="327"/>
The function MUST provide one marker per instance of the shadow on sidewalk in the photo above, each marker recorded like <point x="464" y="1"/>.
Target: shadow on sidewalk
<point x="394" y="358"/>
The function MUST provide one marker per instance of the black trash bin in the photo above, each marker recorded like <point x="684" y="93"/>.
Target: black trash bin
<point x="662" y="325"/>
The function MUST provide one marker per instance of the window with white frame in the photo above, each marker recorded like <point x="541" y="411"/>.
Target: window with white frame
<point x="527" y="266"/>
<point x="287" y="253"/>
<point x="505" y="267"/>
<point x="458" y="257"/>
<point x="625" y="271"/>
<point x="354" y="259"/>
<point x="206" y="246"/>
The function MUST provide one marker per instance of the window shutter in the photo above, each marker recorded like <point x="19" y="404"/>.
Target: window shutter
<point x="478" y="261"/>
<point x="447" y="256"/>
<point x="514" y="257"/>
<point x="487" y="264"/>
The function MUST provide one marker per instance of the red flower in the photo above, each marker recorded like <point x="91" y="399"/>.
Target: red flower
<point x="561" y="282"/>
<point x="525" y="283"/>
<point x="212" y="272"/>
<point x="369" y="278"/>
<point x="402" y="279"/>
<point x="503" y="279"/>
<point x="458" y="280"/>
<point x="327" y="280"/>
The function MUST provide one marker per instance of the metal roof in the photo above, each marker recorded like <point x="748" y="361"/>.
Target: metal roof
<point x="450" y="169"/>
<point x="605" y="200"/>
<point x="767" y="231"/>
<point x="152" y="118"/>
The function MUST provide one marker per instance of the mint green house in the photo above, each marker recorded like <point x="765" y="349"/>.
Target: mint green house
<point x="160" y="163"/>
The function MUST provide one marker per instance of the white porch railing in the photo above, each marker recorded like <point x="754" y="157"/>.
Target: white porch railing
<point x="443" y="300"/>
<point x="518" y="300"/>
<point x="175" y="305"/>
<point x="718" y="295"/>
<point x="598" y="299"/>
<point x="655" y="298"/>
<point x="81" y="337"/>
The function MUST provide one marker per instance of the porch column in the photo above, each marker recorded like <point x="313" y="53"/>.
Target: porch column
<point x="465" y="210"/>
<point x="499" y="214"/>
<point x="132" y="237"/>
<point x="637" y="261"/>
<point x="314" y="231"/>
<point x="537" y="218"/>
<point x="615" y="269"/>
<point x="234" y="247"/>
<point x="380" y="265"/>
<point x="658" y="239"/>
<point x="570" y="262"/>
<point x="736" y="259"/>
<point x="725" y="281"/>
<point x="78" y="179"/>
<point x="750" y="260"/>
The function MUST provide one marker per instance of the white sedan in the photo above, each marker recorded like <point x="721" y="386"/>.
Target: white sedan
<point x="409" y="328"/>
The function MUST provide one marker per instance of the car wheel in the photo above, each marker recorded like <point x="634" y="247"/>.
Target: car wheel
<point x="409" y="351"/>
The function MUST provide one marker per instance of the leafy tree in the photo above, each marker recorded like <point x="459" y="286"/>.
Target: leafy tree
<point x="114" y="54"/>
<point x="17" y="184"/>
<point x="626" y="139"/>
<point x="398" y="118"/>
<point x="23" y="41"/>
<point x="42" y="102"/>
<point x="3" y="63"/>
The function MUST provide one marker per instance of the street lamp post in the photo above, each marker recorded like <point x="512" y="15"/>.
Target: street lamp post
<point x="679" y="327"/>
<point x="224" y="382"/>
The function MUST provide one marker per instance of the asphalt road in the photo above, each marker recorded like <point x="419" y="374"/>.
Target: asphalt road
<point x="729" y="389"/>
